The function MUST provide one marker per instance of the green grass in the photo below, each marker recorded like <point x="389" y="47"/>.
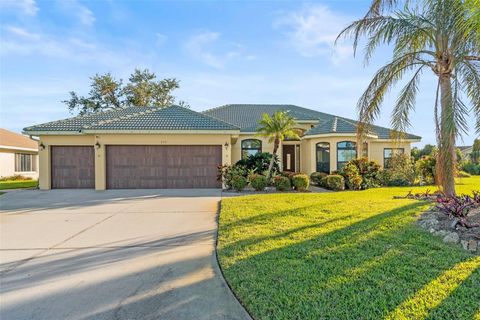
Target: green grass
<point x="17" y="184"/>
<point x="345" y="255"/>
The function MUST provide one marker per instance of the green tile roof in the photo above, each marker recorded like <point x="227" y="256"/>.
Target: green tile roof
<point x="136" y="118"/>
<point x="246" y="117"/>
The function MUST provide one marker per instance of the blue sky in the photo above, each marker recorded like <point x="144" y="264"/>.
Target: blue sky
<point x="221" y="51"/>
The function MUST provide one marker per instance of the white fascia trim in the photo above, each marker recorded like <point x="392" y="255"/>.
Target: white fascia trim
<point x="52" y="133"/>
<point x="160" y="131"/>
<point x="398" y="141"/>
<point x="18" y="148"/>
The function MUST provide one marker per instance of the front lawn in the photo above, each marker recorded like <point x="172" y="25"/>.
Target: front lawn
<point x="345" y="255"/>
<point x="17" y="184"/>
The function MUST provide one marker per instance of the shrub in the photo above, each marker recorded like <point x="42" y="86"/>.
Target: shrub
<point x="471" y="168"/>
<point x="259" y="162"/>
<point x="301" y="182"/>
<point x="227" y="173"/>
<point x="316" y="178"/>
<point x="400" y="172"/>
<point x="369" y="171"/>
<point x="282" y="183"/>
<point x="15" y="177"/>
<point x="239" y="182"/>
<point x="352" y="176"/>
<point x="425" y="168"/>
<point x="258" y="182"/>
<point x="335" y="182"/>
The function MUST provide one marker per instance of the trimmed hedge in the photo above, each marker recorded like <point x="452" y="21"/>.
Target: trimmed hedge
<point x="282" y="183"/>
<point x="258" y="182"/>
<point x="300" y="182"/>
<point x="316" y="178"/>
<point x="334" y="182"/>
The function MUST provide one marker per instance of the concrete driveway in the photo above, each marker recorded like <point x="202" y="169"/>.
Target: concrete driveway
<point x="118" y="254"/>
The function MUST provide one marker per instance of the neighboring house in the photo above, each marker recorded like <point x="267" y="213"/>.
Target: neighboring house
<point x="18" y="155"/>
<point x="466" y="151"/>
<point x="175" y="147"/>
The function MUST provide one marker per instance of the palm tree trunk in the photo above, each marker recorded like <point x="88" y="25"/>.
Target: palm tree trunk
<point x="270" y="166"/>
<point x="446" y="149"/>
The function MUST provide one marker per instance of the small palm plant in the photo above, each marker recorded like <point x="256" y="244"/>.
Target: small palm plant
<point x="276" y="128"/>
<point x="442" y="36"/>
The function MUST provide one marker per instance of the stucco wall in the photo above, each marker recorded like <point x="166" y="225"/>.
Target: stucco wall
<point x="375" y="150"/>
<point x="7" y="163"/>
<point x="123" y="139"/>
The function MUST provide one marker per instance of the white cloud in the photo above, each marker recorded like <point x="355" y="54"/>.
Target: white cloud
<point x="197" y="45"/>
<point x="312" y="31"/>
<point x="20" y="41"/>
<point x="84" y="15"/>
<point x="27" y="7"/>
<point x="208" y="48"/>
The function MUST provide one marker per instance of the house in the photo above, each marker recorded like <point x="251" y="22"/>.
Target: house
<point x="175" y="147"/>
<point x="18" y="155"/>
<point x="466" y="151"/>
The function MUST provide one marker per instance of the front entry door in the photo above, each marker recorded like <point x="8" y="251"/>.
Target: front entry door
<point x="288" y="158"/>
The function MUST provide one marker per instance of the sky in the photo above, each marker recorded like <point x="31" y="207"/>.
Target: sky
<point x="222" y="52"/>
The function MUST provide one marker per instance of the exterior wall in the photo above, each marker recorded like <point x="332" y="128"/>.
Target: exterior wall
<point x="375" y="150"/>
<point x="123" y="139"/>
<point x="7" y="163"/>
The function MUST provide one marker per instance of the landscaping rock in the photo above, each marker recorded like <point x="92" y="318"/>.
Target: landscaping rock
<point x="441" y="233"/>
<point x="472" y="245"/>
<point x="452" y="237"/>
<point x="464" y="244"/>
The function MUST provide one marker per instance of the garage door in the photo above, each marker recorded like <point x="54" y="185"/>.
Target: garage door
<point x="163" y="167"/>
<point x="72" y="167"/>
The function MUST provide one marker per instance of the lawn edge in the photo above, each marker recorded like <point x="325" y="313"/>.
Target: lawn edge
<point x="217" y="221"/>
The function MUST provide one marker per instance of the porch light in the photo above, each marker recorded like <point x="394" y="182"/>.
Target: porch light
<point x="226" y="145"/>
<point x="97" y="145"/>
<point x="42" y="146"/>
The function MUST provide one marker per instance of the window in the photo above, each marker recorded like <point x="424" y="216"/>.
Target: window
<point x="323" y="157"/>
<point x="388" y="153"/>
<point x="251" y="147"/>
<point x="365" y="150"/>
<point x="346" y="151"/>
<point x="25" y="162"/>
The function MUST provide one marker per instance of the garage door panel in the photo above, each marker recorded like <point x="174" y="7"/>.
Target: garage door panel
<point x="72" y="167"/>
<point x="163" y="166"/>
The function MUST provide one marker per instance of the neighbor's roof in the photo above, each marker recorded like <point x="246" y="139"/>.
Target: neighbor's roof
<point x="16" y="140"/>
<point x="246" y="117"/>
<point x="135" y="119"/>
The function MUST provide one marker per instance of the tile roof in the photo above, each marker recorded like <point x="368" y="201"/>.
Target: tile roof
<point x="246" y="116"/>
<point x="136" y="118"/>
<point x="16" y="140"/>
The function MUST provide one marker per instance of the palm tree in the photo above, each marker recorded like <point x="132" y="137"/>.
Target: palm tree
<point x="437" y="35"/>
<point x="276" y="128"/>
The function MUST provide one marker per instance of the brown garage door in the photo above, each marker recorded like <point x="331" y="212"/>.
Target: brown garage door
<point x="73" y="167"/>
<point x="167" y="167"/>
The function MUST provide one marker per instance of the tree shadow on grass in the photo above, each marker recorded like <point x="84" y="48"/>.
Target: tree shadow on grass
<point x="359" y="270"/>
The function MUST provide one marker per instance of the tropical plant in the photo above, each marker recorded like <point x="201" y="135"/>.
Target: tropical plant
<point x="260" y="162"/>
<point x="239" y="183"/>
<point x="352" y="176"/>
<point x="425" y="168"/>
<point x="440" y="35"/>
<point x="143" y="90"/>
<point x="276" y="128"/>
